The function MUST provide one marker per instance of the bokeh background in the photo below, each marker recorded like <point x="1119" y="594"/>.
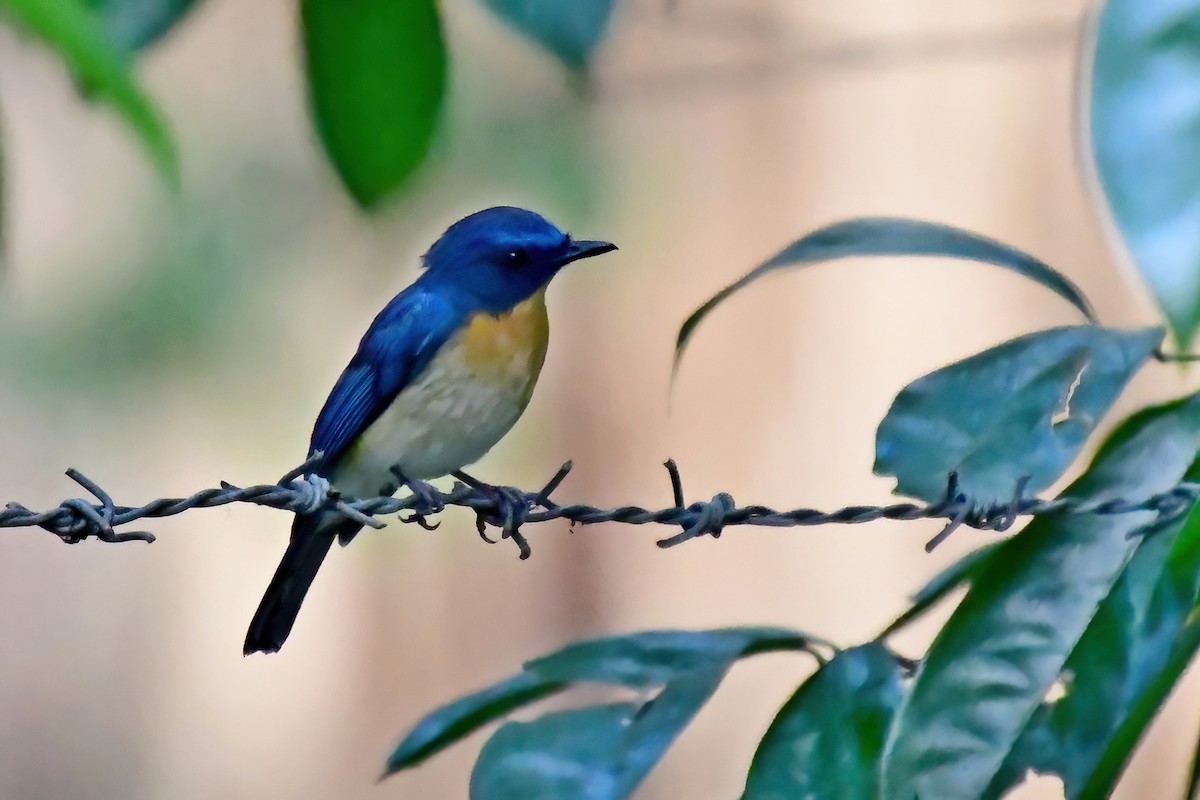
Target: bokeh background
<point x="163" y="344"/>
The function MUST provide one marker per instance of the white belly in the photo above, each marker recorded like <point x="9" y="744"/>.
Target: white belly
<point x="448" y="418"/>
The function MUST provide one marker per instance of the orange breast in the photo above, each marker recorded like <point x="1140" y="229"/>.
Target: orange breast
<point x="509" y="345"/>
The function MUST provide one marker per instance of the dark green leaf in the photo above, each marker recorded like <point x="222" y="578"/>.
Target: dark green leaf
<point x="1145" y="132"/>
<point x="660" y="721"/>
<point x="998" y="416"/>
<point x="595" y="753"/>
<point x="887" y="236"/>
<point x="1142" y="712"/>
<point x="570" y="29"/>
<point x="652" y="658"/>
<point x="377" y="78"/>
<point x="563" y="755"/>
<point x="827" y="740"/>
<point x="960" y="572"/>
<point x="133" y="24"/>
<point x="452" y="722"/>
<point x="75" y="36"/>
<point x="1123" y="651"/>
<point x="997" y="657"/>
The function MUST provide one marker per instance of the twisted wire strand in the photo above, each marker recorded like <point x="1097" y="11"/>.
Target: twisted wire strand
<point x="508" y="509"/>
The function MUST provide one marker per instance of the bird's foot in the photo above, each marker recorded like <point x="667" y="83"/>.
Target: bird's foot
<point x="427" y="501"/>
<point x="504" y="507"/>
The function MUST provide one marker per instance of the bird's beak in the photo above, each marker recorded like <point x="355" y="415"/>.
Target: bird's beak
<point x="584" y="248"/>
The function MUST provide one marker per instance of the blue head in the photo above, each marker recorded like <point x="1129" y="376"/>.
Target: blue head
<point x="498" y="257"/>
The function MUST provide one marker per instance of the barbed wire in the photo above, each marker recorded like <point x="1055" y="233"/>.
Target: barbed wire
<point x="508" y="509"/>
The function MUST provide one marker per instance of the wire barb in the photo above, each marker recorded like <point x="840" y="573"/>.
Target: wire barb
<point x="508" y="509"/>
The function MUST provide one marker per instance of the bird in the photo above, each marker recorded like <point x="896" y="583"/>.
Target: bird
<point x="440" y="376"/>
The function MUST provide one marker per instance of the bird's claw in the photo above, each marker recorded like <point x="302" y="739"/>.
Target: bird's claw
<point x="507" y="509"/>
<point x="427" y="502"/>
<point x="422" y="520"/>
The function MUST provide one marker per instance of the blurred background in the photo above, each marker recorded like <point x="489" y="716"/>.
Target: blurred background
<point x="162" y="344"/>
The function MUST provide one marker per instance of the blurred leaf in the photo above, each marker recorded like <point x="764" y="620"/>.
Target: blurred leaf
<point x="887" y="236"/>
<point x="595" y="753"/>
<point x="547" y="150"/>
<point x="377" y="79"/>
<point x="962" y="571"/>
<point x="183" y="312"/>
<point x="75" y="35"/>
<point x="3" y="208"/>
<point x="133" y="24"/>
<point x="827" y="740"/>
<point x="996" y="658"/>
<point x="174" y="311"/>
<point x="652" y="658"/>
<point x="1145" y="131"/>
<point x="1124" y="650"/>
<point x="464" y="716"/>
<point x="570" y="29"/>
<point x="997" y="417"/>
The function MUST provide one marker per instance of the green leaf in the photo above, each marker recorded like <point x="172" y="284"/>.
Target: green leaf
<point x="998" y="416"/>
<point x="595" y="753"/>
<point x="962" y="571"/>
<point x="647" y="660"/>
<point x="464" y="716"/>
<point x="997" y="657"/>
<point x="1142" y="713"/>
<point x="652" y="658"/>
<point x="660" y="721"/>
<point x="133" y="24"/>
<point x="75" y="35"/>
<point x="563" y="755"/>
<point x="548" y="758"/>
<point x="377" y="79"/>
<point x="570" y="29"/>
<point x="1145" y="132"/>
<point x="1124" y="651"/>
<point x="828" y="739"/>
<point x="888" y="236"/>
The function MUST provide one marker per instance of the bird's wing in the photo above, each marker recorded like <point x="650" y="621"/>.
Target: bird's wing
<point x="398" y="345"/>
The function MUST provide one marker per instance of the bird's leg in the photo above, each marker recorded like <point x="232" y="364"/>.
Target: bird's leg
<point x="428" y="500"/>
<point x="508" y="508"/>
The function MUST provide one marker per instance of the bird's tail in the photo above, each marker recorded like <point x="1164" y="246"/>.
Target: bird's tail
<point x="277" y="611"/>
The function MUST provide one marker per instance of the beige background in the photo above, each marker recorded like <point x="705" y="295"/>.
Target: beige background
<point x="163" y="346"/>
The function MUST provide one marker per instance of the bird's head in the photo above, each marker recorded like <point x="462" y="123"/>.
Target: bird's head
<point x="499" y="257"/>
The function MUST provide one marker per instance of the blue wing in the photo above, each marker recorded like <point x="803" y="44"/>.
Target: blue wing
<point x="398" y="345"/>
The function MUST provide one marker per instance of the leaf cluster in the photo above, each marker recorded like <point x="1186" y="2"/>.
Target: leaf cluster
<point x="377" y="70"/>
<point x="1103" y="607"/>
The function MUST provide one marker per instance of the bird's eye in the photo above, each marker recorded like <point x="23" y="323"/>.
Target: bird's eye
<point x="516" y="258"/>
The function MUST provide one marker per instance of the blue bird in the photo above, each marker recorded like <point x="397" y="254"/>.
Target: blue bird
<point x="442" y="374"/>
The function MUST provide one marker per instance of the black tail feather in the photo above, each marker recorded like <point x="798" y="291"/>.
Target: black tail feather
<point x="277" y="611"/>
